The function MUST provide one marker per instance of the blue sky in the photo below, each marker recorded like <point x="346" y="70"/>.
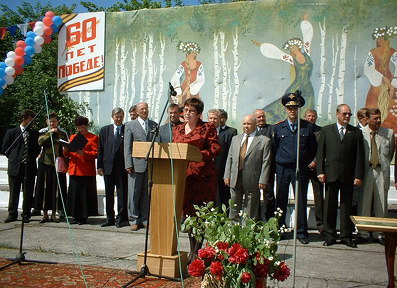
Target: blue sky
<point x="80" y="9"/>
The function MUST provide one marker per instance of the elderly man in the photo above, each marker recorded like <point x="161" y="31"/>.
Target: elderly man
<point x="133" y="112"/>
<point x="247" y="169"/>
<point x="318" y="187"/>
<point x="138" y="130"/>
<point x="285" y="146"/>
<point x="110" y="165"/>
<point x="165" y="133"/>
<point x="340" y="165"/>
<point x="379" y="150"/>
<point x="225" y="135"/>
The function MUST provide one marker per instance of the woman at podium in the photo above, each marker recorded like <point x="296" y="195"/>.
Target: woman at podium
<point x="201" y="177"/>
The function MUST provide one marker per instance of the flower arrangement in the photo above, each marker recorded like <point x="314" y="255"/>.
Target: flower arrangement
<point x="188" y="47"/>
<point x="293" y="42"/>
<point x="235" y="255"/>
<point x="385" y="32"/>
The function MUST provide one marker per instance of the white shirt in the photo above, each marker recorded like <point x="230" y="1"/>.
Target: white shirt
<point x="115" y="127"/>
<point x="339" y="127"/>
<point x="144" y="124"/>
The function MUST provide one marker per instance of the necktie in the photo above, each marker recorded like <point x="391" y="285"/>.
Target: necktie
<point x="25" y="147"/>
<point x="341" y="133"/>
<point x="145" y="126"/>
<point x="116" y="139"/>
<point x="293" y="127"/>
<point x="374" y="160"/>
<point x="243" y="151"/>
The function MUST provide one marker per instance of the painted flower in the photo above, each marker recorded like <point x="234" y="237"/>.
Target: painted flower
<point x="197" y="268"/>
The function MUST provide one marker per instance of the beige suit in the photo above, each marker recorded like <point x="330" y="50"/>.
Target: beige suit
<point x="256" y="170"/>
<point x="377" y="180"/>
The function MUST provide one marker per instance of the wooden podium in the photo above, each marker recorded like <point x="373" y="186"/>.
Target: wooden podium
<point x="162" y="258"/>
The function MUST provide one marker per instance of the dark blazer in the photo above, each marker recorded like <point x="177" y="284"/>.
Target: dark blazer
<point x="340" y="160"/>
<point x="14" y="155"/>
<point x="225" y="136"/>
<point x="164" y="133"/>
<point x="284" y="143"/>
<point x="107" y="154"/>
<point x="266" y="130"/>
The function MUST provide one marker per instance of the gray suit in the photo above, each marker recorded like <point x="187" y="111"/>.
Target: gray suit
<point x="377" y="179"/>
<point x="138" y="201"/>
<point x="256" y="170"/>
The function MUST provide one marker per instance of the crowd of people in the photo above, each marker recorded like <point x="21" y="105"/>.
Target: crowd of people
<point x="340" y="160"/>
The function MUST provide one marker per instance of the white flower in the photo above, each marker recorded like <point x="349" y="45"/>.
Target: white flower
<point x="277" y="263"/>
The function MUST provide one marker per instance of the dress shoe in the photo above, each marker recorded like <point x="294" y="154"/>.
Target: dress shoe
<point x="10" y="219"/>
<point x="82" y="221"/>
<point x="349" y="243"/>
<point x="44" y="220"/>
<point x="73" y="221"/>
<point x="304" y="240"/>
<point x="381" y="241"/>
<point x="120" y="224"/>
<point x="26" y="219"/>
<point x="135" y="227"/>
<point x="36" y="212"/>
<point x="361" y="240"/>
<point x="329" y="242"/>
<point x="54" y="219"/>
<point x="108" y="222"/>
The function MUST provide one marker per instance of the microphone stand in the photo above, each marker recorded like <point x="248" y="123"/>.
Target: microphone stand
<point x="144" y="268"/>
<point x="21" y="255"/>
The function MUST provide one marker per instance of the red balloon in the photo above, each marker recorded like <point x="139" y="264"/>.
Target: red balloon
<point x="21" y="44"/>
<point x="47" y="39"/>
<point x="47" y="21"/>
<point x="19" y="51"/>
<point x="19" y="60"/>
<point x="18" y="69"/>
<point x="50" y="14"/>
<point x="47" y="30"/>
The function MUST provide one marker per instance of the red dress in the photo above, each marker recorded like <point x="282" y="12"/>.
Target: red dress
<point x="201" y="177"/>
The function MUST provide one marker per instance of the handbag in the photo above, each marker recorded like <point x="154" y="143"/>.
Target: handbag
<point x="61" y="165"/>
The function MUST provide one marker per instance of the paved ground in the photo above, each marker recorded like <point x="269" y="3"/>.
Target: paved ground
<point x="317" y="266"/>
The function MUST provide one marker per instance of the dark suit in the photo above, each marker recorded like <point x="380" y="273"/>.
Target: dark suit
<point x="270" y="201"/>
<point x="284" y="144"/>
<point x="318" y="189"/>
<point x="16" y="169"/>
<point x="111" y="160"/>
<point x="341" y="161"/>
<point x="165" y="132"/>
<point x="225" y="136"/>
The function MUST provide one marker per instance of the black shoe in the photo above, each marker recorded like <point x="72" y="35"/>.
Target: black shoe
<point x="120" y="224"/>
<point x="329" y="242"/>
<point x="54" y="219"/>
<point x="10" y="219"/>
<point x="304" y="240"/>
<point x="361" y="240"/>
<point x="74" y="221"/>
<point x="349" y="243"/>
<point x="381" y="241"/>
<point x="36" y="212"/>
<point x="44" y="220"/>
<point x="26" y="219"/>
<point x="82" y="221"/>
<point x="108" y="222"/>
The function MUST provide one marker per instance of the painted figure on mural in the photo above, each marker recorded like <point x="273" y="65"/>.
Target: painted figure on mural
<point x="383" y="91"/>
<point x="189" y="77"/>
<point x="301" y="68"/>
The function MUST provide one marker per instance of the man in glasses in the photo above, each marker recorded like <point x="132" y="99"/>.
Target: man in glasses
<point x="340" y="165"/>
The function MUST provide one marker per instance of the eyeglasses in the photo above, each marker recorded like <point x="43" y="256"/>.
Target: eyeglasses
<point x="190" y="111"/>
<point x="347" y="114"/>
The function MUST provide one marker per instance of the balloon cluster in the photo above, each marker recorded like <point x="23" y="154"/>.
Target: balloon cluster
<point x="18" y="59"/>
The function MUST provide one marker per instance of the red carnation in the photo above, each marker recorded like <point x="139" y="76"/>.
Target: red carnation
<point x="282" y="272"/>
<point x="197" y="268"/>
<point x="207" y="253"/>
<point x="246" y="277"/>
<point x="241" y="256"/>
<point x="216" y="269"/>
<point x="232" y="250"/>
<point x="261" y="270"/>
<point x="222" y="245"/>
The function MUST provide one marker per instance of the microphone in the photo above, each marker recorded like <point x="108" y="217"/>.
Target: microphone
<point x="172" y="90"/>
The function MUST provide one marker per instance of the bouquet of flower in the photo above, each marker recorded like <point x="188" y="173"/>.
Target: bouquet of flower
<point x="235" y="255"/>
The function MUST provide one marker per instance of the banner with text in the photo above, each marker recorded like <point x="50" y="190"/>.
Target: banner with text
<point x="81" y="50"/>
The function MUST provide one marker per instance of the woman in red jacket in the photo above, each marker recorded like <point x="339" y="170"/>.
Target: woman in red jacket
<point x="82" y="193"/>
